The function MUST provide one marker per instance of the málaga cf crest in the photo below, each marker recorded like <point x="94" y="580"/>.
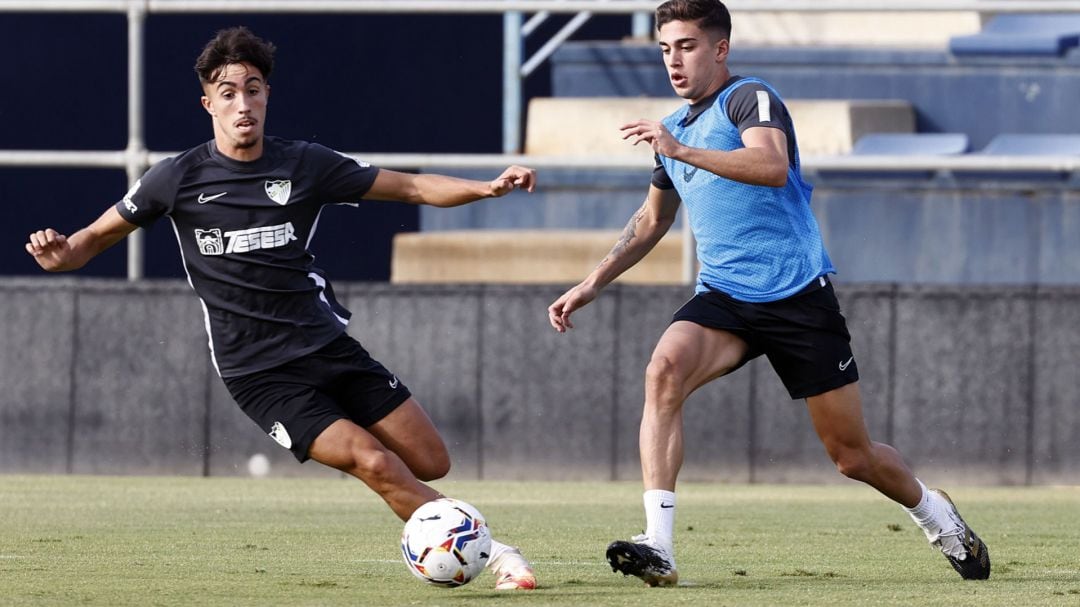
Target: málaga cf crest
<point x="279" y="190"/>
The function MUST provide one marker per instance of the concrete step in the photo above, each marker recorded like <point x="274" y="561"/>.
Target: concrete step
<point x="523" y="257"/>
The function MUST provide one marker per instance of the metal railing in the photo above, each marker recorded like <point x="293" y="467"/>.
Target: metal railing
<point x="135" y="159"/>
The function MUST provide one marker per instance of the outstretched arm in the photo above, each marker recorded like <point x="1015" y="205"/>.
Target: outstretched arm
<point x="57" y="253"/>
<point x="641" y="234"/>
<point x="445" y="191"/>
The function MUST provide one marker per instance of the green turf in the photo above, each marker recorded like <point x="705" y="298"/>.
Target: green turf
<point x="81" y="540"/>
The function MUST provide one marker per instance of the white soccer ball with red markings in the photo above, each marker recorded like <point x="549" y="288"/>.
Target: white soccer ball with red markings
<point x="446" y="542"/>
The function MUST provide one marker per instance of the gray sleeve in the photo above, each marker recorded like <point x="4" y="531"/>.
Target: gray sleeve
<point x="660" y="179"/>
<point x="753" y="105"/>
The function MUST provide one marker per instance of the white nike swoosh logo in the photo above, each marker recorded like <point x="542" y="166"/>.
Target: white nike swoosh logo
<point x="845" y="365"/>
<point x="203" y="198"/>
<point x="394" y="383"/>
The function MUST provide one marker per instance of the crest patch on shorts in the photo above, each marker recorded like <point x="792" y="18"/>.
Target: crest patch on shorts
<point x="281" y="435"/>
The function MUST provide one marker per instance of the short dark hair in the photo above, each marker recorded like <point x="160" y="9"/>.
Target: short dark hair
<point x="230" y="46"/>
<point x="710" y="14"/>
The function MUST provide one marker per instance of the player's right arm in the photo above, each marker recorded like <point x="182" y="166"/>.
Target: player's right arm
<point x="56" y="252"/>
<point x="641" y="234"/>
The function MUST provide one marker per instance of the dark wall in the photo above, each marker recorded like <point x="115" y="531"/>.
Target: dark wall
<point x="125" y="385"/>
<point x="374" y="83"/>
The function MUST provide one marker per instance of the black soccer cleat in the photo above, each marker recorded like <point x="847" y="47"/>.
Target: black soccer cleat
<point x="976" y="565"/>
<point x="642" y="560"/>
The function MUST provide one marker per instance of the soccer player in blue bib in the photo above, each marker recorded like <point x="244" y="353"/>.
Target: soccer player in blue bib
<point x="244" y="207"/>
<point x="730" y="155"/>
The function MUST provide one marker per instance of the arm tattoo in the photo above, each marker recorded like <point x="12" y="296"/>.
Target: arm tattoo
<point x="628" y="234"/>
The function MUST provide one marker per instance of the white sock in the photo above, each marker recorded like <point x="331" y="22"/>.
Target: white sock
<point x="497" y="549"/>
<point x="931" y="514"/>
<point x="923" y="512"/>
<point x="660" y="516"/>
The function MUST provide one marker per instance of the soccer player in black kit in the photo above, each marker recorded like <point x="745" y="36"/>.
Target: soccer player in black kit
<point x="244" y="207"/>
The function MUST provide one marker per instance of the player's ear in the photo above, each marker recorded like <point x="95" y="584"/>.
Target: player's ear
<point x="722" y="46"/>
<point x="206" y="105"/>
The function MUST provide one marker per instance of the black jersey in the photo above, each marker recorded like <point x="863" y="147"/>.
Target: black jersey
<point x="244" y="230"/>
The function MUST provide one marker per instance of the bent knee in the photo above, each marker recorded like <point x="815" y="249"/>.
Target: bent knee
<point x="664" y="371"/>
<point x="853" y="464"/>
<point x="372" y="464"/>
<point x="434" y="467"/>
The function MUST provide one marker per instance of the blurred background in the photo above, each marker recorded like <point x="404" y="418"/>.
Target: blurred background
<point x="356" y="82"/>
<point x="942" y="142"/>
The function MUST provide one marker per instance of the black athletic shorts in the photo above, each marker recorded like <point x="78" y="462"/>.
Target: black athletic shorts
<point x="804" y="336"/>
<point x="296" y="401"/>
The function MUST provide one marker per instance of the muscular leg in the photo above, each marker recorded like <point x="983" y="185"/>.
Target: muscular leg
<point x="837" y="416"/>
<point x="838" y="419"/>
<point x="389" y="456"/>
<point x="686" y="357"/>
<point x="392" y="456"/>
<point x="408" y="431"/>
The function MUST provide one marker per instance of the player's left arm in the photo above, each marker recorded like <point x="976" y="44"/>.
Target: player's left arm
<point x="446" y="191"/>
<point x="763" y="160"/>
<point x="56" y="252"/>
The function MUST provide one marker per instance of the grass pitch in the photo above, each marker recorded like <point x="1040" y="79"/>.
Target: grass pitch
<point x="82" y="540"/>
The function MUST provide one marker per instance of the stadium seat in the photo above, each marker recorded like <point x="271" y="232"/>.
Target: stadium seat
<point x="901" y="144"/>
<point x="1034" y="144"/>
<point x="1028" y="144"/>
<point x="911" y="144"/>
<point x="1019" y="34"/>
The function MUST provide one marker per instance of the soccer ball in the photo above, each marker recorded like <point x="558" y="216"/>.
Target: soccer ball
<point x="446" y="542"/>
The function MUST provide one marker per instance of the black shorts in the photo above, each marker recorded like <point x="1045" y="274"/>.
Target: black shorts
<point x="804" y="336"/>
<point x="296" y="401"/>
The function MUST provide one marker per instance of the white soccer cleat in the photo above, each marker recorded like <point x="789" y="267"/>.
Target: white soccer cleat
<point x="645" y="558"/>
<point x="965" y="551"/>
<point x="512" y="571"/>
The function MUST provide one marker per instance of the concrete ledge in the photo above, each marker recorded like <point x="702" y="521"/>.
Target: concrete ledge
<point x="839" y="28"/>
<point x="523" y="257"/>
<point x="589" y="126"/>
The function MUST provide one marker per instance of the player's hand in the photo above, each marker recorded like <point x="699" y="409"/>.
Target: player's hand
<point x="50" y="249"/>
<point x="577" y="297"/>
<point x="514" y="177"/>
<point x="653" y="133"/>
